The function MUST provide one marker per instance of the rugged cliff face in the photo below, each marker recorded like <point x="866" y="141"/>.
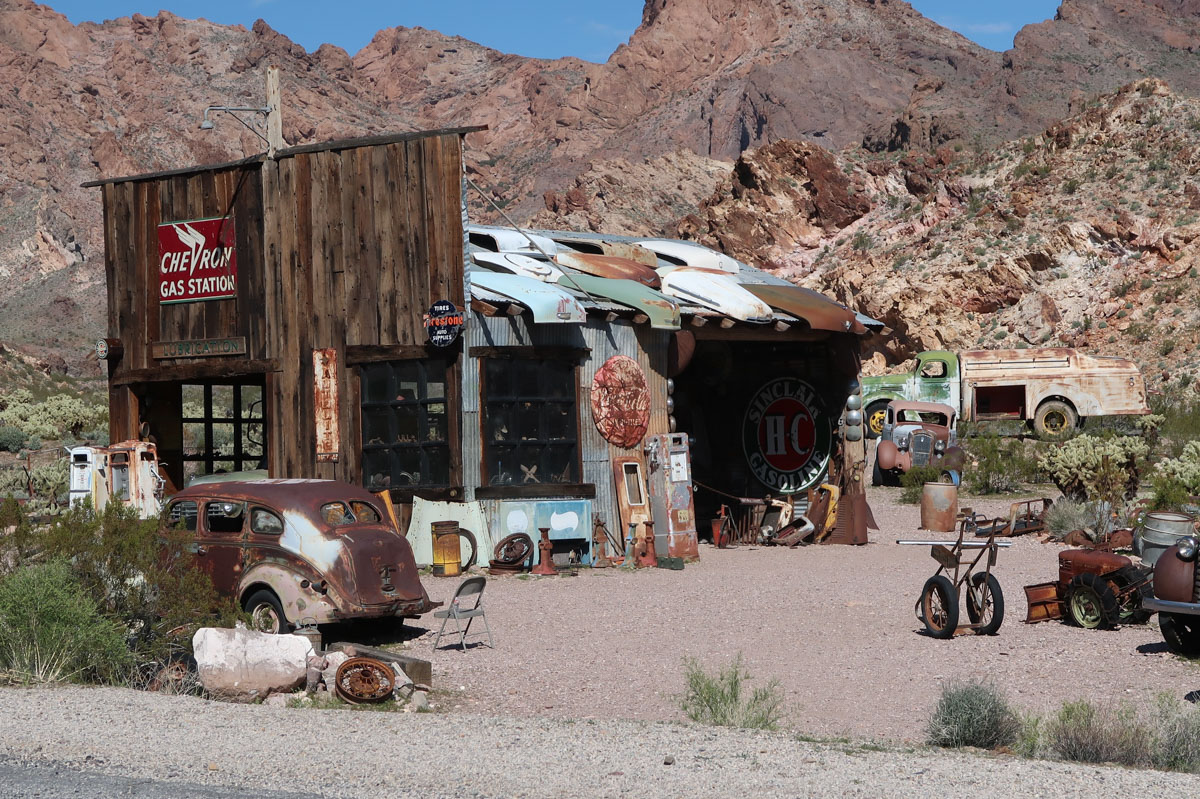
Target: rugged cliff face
<point x="630" y="145"/>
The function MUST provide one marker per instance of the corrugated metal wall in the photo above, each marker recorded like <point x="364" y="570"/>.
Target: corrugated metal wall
<point x="605" y="340"/>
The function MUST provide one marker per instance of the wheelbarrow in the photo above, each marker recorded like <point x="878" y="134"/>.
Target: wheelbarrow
<point x="958" y="573"/>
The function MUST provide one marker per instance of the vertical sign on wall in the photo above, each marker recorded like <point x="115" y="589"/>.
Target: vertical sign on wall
<point x="325" y="401"/>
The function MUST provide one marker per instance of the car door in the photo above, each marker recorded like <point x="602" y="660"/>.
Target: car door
<point x="219" y="543"/>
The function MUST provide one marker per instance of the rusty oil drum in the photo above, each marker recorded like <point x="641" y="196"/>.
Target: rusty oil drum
<point x="939" y="507"/>
<point x="447" y="551"/>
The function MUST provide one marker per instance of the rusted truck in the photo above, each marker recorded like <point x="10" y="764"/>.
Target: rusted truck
<point x="1053" y="389"/>
<point x="1177" y="596"/>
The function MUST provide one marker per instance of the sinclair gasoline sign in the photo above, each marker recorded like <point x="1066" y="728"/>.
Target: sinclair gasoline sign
<point x="197" y="260"/>
<point x="785" y="436"/>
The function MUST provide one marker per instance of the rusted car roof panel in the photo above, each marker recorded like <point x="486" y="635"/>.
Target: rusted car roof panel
<point x="819" y="311"/>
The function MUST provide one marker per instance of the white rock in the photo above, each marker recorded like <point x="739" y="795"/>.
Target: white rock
<point x="241" y="662"/>
<point x="332" y="660"/>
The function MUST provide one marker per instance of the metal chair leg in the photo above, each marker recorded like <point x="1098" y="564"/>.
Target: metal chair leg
<point x="488" y="627"/>
<point x="438" y="640"/>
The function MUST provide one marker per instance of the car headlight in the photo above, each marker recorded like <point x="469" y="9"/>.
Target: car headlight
<point x="939" y="446"/>
<point x="1187" y="547"/>
<point x="901" y="442"/>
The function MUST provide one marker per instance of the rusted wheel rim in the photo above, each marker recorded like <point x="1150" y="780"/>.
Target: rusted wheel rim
<point x="364" y="681"/>
<point x="1086" y="608"/>
<point x="264" y="619"/>
<point x="935" y="611"/>
<point x="1055" y="421"/>
<point x="980" y="597"/>
<point x="875" y="421"/>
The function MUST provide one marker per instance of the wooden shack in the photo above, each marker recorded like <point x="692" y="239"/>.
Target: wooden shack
<point x="284" y="314"/>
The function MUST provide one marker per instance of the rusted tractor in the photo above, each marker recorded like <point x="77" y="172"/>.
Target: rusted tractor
<point x="1095" y="590"/>
<point x="1177" y="597"/>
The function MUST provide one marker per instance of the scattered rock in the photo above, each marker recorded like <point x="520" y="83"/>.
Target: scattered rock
<point x="241" y="663"/>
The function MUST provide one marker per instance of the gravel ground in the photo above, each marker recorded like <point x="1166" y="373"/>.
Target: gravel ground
<point x="579" y="696"/>
<point x="835" y="625"/>
<point x="258" y="749"/>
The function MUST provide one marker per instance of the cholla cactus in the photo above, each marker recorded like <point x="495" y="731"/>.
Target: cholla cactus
<point x="1089" y="468"/>
<point x="1185" y="469"/>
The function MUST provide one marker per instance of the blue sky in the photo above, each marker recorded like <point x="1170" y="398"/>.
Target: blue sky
<point x="539" y="28"/>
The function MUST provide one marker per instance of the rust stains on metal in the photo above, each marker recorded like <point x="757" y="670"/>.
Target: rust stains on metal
<point x="610" y="266"/>
<point x="363" y="680"/>
<point x="621" y="401"/>
<point x="819" y="311"/>
<point x="325" y="402"/>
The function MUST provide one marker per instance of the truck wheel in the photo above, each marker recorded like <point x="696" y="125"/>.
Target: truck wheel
<point x="266" y="613"/>
<point x="1181" y="632"/>
<point x="876" y="413"/>
<point x="1054" y="419"/>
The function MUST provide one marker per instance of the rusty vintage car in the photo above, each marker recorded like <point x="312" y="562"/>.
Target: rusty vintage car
<point x="916" y="434"/>
<point x="300" y="552"/>
<point x="1177" y="596"/>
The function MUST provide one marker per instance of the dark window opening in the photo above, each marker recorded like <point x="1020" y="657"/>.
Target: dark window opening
<point x="222" y="429"/>
<point x="531" y="428"/>
<point x="183" y="514"/>
<point x="224" y="517"/>
<point x="405" y="425"/>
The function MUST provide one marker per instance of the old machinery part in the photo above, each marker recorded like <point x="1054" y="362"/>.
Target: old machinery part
<point x="1092" y="603"/>
<point x="939" y="606"/>
<point x="647" y="557"/>
<point x="545" y="564"/>
<point x="511" y="553"/>
<point x="363" y="680"/>
<point x="985" y="603"/>
<point x="1133" y="584"/>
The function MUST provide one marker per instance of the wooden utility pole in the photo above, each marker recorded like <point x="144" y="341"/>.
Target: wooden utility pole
<point x="274" y="113"/>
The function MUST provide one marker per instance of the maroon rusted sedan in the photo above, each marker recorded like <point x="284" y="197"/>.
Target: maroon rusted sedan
<point x="300" y="552"/>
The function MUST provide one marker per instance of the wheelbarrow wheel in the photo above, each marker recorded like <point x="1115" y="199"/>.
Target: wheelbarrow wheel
<point x="939" y="607"/>
<point x="985" y="604"/>
<point x="1091" y="602"/>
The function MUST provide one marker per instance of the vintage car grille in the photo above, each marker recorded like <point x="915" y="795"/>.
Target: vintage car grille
<point x="922" y="448"/>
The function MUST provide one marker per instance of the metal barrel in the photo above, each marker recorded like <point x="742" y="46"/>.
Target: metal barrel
<point x="447" y="553"/>
<point x="939" y="507"/>
<point x="1160" y="531"/>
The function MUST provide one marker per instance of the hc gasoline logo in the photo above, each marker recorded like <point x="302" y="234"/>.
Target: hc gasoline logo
<point x="786" y="437"/>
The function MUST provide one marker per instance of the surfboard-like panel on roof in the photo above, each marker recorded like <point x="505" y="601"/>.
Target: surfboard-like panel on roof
<point x="610" y="266"/>
<point x="684" y="253"/>
<point x="662" y="310"/>
<point x="548" y="303"/>
<point x="717" y="292"/>
<point x="518" y="264"/>
<point x="819" y="311"/>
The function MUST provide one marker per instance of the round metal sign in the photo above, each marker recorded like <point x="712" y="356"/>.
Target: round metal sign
<point x="443" y="323"/>
<point x="786" y="437"/>
<point x="102" y="350"/>
<point x="621" y="401"/>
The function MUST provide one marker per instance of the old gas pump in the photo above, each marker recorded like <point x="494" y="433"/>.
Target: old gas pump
<point x="670" y="489"/>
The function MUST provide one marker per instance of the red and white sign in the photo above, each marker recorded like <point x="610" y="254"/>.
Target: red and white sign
<point x="197" y="260"/>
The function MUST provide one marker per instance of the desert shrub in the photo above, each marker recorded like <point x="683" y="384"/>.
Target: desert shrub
<point x="997" y="465"/>
<point x="11" y="439"/>
<point x="973" y="713"/>
<point x="1183" y="470"/>
<point x="1181" y="421"/>
<point x="52" y="417"/>
<point x="12" y="481"/>
<point x="721" y="700"/>
<point x="1176" y="745"/>
<point x="51" y="630"/>
<point x="51" y="480"/>
<point x="1069" y="515"/>
<point x="1090" y="468"/>
<point x="144" y="579"/>
<point x="1090" y="733"/>
<point x="914" y="481"/>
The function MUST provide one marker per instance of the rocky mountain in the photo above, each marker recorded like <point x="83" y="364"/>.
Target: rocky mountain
<point x="630" y="145"/>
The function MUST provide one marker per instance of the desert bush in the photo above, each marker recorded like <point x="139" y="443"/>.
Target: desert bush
<point x="914" y="481"/>
<point x="11" y="439"/>
<point x="721" y="700"/>
<point x="51" y="481"/>
<point x="998" y="465"/>
<point x="51" y="630"/>
<point x="1069" y="515"/>
<point x="1183" y="471"/>
<point x="1089" y="733"/>
<point x="1181" y="422"/>
<point x="12" y="481"/>
<point x="973" y="713"/>
<point x="1092" y="468"/>
<point x="144" y="579"/>
<point x="51" y="418"/>
<point x="1176" y="745"/>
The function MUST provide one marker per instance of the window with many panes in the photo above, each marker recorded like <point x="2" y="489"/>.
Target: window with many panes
<point x="222" y="429"/>
<point x="531" y="430"/>
<point x="405" y="425"/>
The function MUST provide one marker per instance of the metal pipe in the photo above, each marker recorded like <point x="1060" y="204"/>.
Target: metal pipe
<point x="952" y="544"/>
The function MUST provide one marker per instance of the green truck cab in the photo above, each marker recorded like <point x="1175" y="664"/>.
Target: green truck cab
<point x="1051" y="388"/>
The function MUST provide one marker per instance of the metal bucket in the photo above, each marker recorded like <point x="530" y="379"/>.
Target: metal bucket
<point x="1160" y="532"/>
<point x="447" y="549"/>
<point x="939" y="507"/>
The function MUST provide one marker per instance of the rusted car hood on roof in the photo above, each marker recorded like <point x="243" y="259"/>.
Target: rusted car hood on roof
<point x="610" y="266"/>
<point x="819" y="311"/>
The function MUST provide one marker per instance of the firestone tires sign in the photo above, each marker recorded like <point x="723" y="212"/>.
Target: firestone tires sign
<point x="786" y="436"/>
<point x="197" y="260"/>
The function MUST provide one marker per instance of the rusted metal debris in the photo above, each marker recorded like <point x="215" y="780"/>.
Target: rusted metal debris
<point x="510" y="554"/>
<point x="545" y="564"/>
<point x="647" y="557"/>
<point x="363" y="680"/>
<point x="1023" y="517"/>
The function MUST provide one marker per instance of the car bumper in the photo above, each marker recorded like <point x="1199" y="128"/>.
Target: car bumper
<point x="1167" y="606"/>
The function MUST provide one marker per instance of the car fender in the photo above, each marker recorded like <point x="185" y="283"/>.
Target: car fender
<point x="300" y="602"/>
<point x="887" y="455"/>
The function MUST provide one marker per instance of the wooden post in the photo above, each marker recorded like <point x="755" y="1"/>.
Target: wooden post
<point x="274" y="113"/>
